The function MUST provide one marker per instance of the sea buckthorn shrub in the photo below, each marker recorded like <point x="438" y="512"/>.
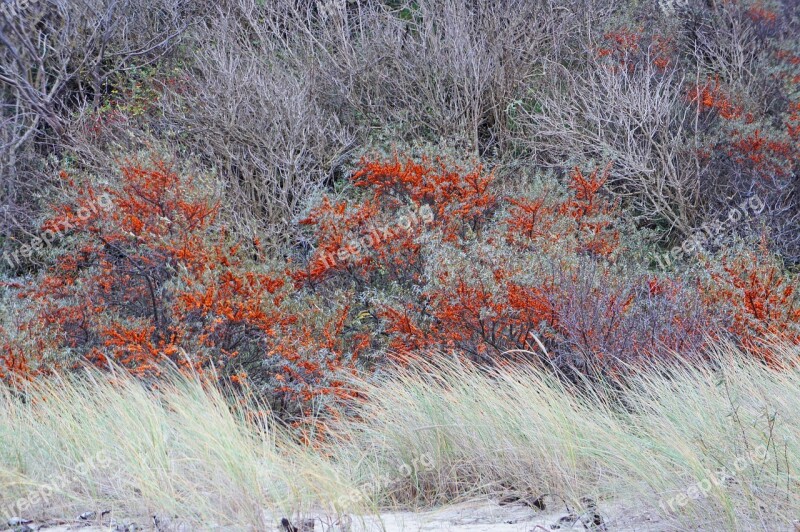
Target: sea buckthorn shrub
<point x="630" y="48"/>
<point x="416" y="256"/>
<point x="544" y="271"/>
<point x="147" y="277"/>
<point x="439" y="258"/>
<point x="140" y="281"/>
<point x="753" y="289"/>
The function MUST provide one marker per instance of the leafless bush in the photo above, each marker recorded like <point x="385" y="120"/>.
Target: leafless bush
<point x="57" y="58"/>
<point x="637" y="120"/>
<point x="452" y="70"/>
<point x="729" y="42"/>
<point x="635" y="111"/>
<point x="255" y="111"/>
<point x="283" y="90"/>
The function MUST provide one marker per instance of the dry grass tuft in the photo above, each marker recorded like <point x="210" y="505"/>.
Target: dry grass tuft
<point x="425" y="435"/>
<point x="662" y="442"/>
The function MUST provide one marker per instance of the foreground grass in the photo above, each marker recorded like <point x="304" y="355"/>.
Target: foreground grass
<point x="714" y="448"/>
<point x="183" y="450"/>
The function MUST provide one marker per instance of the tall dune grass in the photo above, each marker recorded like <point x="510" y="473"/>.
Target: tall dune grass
<point x="184" y="449"/>
<point x="714" y="446"/>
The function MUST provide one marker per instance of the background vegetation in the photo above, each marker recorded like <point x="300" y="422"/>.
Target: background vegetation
<point x="286" y="195"/>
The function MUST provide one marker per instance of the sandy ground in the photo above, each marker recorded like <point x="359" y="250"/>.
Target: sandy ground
<point x="468" y="517"/>
<point x="485" y="516"/>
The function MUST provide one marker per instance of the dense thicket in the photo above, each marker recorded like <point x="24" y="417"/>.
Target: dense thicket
<point x="283" y="189"/>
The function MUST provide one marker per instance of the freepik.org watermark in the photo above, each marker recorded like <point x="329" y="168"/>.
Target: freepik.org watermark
<point x="380" y="483"/>
<point x="710" y="232"/>
<point x="50" y="236"/>
<point x="42" y="496"/>
<point x="715" y="479"/>
<point x="356" y="247"/>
